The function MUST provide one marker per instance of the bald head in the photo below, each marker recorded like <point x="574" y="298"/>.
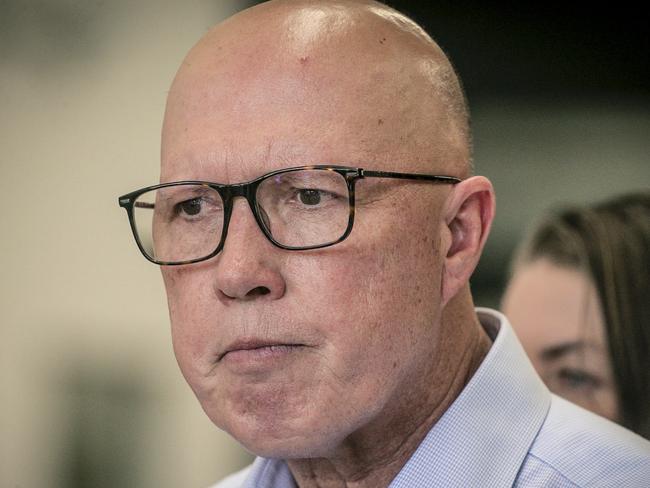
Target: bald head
<point x="366" y="350"/>
<point x="358" y="73"/>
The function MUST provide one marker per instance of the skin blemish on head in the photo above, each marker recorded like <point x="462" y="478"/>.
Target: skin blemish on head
<point x="303" y="60"/>
<point x="380" y="121"/>
<point x="382" y="40"/>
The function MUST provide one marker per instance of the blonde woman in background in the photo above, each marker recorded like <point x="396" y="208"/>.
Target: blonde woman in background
<point x="579" y="300"/>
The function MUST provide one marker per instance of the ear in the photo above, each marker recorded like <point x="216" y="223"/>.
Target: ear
<point x="468" y="215"/>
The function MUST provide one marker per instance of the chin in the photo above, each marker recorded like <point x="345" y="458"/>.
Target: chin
<point x="299" y="445"/>
<point x="282" y="436"/>
<point x="286" y="419"/>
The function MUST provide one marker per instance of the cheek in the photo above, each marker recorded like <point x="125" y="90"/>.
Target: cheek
<point x="386" y="283"/>
<point x="192" y="324"/>
<point x="405" y="283"/>
<point x="379" y="303"/>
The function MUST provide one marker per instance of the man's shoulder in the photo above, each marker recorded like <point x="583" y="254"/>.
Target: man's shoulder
<point x="589" y="450"/>
<point x="235" y="480"/>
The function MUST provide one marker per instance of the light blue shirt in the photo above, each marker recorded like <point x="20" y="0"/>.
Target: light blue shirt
<point x="505" y="429"/>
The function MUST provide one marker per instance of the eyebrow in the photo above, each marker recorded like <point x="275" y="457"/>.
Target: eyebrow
<point x="558" y="351"/>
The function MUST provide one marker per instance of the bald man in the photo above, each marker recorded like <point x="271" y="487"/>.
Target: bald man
<point x="317" y="224"/>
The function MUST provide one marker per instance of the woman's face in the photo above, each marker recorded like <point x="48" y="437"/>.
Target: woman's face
<point x="556" y="314"/>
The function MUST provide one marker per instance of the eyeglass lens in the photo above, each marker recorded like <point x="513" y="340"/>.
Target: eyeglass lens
<point x="297" y="209"/>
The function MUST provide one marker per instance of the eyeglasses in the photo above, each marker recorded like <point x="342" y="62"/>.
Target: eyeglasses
<point x="306" y="207"/>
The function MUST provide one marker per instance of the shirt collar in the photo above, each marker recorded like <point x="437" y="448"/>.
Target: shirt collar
<point x="482" y="438"/>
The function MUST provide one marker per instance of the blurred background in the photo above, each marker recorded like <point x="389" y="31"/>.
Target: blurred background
<point x="90" y="392"/>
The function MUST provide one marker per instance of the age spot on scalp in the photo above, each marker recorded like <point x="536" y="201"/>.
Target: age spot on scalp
<point x="382" y="40"/>
<point x="303" y="60"/>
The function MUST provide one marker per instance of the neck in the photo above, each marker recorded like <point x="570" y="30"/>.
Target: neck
<point x="374" y="455"/>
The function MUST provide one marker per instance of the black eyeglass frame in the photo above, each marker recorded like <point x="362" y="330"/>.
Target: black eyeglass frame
<point x="248" y="190"/>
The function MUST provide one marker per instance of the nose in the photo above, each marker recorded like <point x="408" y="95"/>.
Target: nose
<point x="248" y="266"/>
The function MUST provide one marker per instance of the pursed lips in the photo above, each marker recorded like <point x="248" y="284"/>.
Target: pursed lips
<point x="258" y="344"/>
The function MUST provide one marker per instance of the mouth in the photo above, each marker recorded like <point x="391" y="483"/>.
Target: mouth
<point x="258" y="349"/>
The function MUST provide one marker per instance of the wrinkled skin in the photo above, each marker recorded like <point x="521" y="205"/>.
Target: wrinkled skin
<point x="375" y="336"/>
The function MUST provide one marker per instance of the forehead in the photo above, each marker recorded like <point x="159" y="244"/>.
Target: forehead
<point x="550" y="305"/>
<point x="243" y="132"/>
<point x="244" y="108"/>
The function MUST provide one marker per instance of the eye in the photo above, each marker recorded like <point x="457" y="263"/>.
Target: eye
<point x="576" y="379"/>
<point x="310" y="197"/>
<point x="190" y="207"/>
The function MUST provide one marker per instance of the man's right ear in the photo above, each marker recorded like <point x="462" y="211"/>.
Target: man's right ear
<point x="468" y="214"/>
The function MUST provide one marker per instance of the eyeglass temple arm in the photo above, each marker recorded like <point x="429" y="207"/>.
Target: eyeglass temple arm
<point x="408" y="176"/>
<point x="144" y="205"/>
